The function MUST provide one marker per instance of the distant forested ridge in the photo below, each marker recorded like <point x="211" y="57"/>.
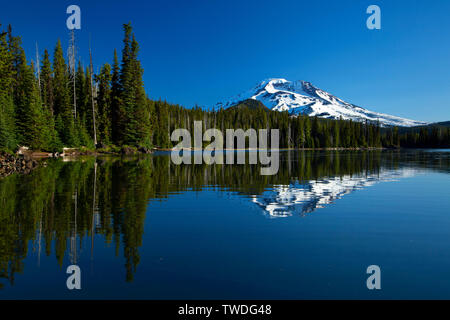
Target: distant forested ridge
<point x="54" y="104"/>
<point x="435" y="135"/>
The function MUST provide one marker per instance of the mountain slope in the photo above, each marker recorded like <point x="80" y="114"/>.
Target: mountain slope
<point x="301" y="97"/>
<point x="251" y="104"/>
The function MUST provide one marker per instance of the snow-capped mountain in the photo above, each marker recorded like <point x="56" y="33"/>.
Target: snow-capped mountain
<point x="301" y="97"/>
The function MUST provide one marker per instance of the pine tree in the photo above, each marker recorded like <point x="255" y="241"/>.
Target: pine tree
<point x="62" y="104"/>
<point x="87" y="103"/>
<point x="308" y="138"/>
<point x="38" y="133"/>
<point x="136" y="129"/>
<point x="21" y="86"/>
<point x="7" y="124"/>
<point x="316" y="132"/>
<point x="104" y="104"/>
<point x="47" y="82"/>
<point x="336" y="135"/>
<point x="118" y="115"/>
<point x="33" y="120"/>
<point x="161" y="138"/>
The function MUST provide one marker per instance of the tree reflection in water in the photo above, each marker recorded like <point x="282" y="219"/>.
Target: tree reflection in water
<point x="59" y="205"/>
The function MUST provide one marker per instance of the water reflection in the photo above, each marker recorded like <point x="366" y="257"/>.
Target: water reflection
<point x="52" y="210"/>
<point x="302" y="198"/>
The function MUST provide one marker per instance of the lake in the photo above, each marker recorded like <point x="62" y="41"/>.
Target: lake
<point x="145" y="228"/>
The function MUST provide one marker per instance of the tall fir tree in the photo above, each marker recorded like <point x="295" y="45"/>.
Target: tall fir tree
<point x="38" y="134"/>
<point x="47" y="83"/>
<point x="63" y="107"/>
<point x="136" y="129"/>
<point x="7" y="112"/>
<point x="104" y="104"/>
<point x="80" y="89"/>
<point x="21" y="85"/>
<point x="118" y="115"/>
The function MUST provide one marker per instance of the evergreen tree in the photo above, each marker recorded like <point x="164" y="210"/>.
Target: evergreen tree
<point x="87" y="103"/>
<point x="104" y="104"/>
<point x="7" y="123"/>
<point x="118" y="114"/>
<point x="47" y="83"/>
<point x="21" y="86"/>
<point x="84" y="113"/>
<point x="161" y="137"/>
<point x="37" y="132"/>
<point x="136" y="129"/>
<point x="62" y="105"/>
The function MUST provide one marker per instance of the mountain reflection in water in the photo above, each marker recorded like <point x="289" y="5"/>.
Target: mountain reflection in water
<point x="50" y="211"/>
<point x="302" y="198"/>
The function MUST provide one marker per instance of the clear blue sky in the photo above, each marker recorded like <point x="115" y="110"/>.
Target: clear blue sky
<point x="200" y="52"/>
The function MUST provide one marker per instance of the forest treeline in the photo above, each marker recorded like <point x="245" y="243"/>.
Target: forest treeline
<point x="55" y="103"/>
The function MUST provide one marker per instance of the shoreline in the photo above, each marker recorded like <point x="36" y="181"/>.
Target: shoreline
<point x="17" y="163"/>
<point x="25" y="160"/>
<point x="74" y="152"/>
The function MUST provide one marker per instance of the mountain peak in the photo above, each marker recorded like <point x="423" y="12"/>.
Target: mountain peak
<point x="302" y="97"/>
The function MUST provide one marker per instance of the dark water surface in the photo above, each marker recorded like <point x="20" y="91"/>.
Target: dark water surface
<point x="143" y="228"/>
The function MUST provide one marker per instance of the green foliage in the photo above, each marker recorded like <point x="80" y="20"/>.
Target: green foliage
<point x="295" y="131"/>
<point x="7" y="112"/>
<point x="132" y="106"/>
<point x="431" y="136"/>
<point x="62" y="105"/>
<point x="104" y="105"/>
<point x="41" y="114"/>
<point x="47" y="83"/>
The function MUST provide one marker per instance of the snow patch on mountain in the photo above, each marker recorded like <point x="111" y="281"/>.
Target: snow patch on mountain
<point x="301" y="97"/>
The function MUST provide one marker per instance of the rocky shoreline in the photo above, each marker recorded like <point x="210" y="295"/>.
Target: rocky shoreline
<point x="21" y="163"/>
<point x="25" y="160"/>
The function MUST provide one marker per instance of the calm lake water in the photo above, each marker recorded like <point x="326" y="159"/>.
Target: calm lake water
<point x="143" y="228"/>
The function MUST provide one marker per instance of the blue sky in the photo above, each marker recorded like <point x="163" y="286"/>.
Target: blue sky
<point x="200" y="52"/>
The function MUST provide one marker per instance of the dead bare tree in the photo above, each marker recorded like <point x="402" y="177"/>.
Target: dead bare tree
<point x="92" y="95"/>
<point x="38" y="68"/>
<point x="71" y="52"/>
